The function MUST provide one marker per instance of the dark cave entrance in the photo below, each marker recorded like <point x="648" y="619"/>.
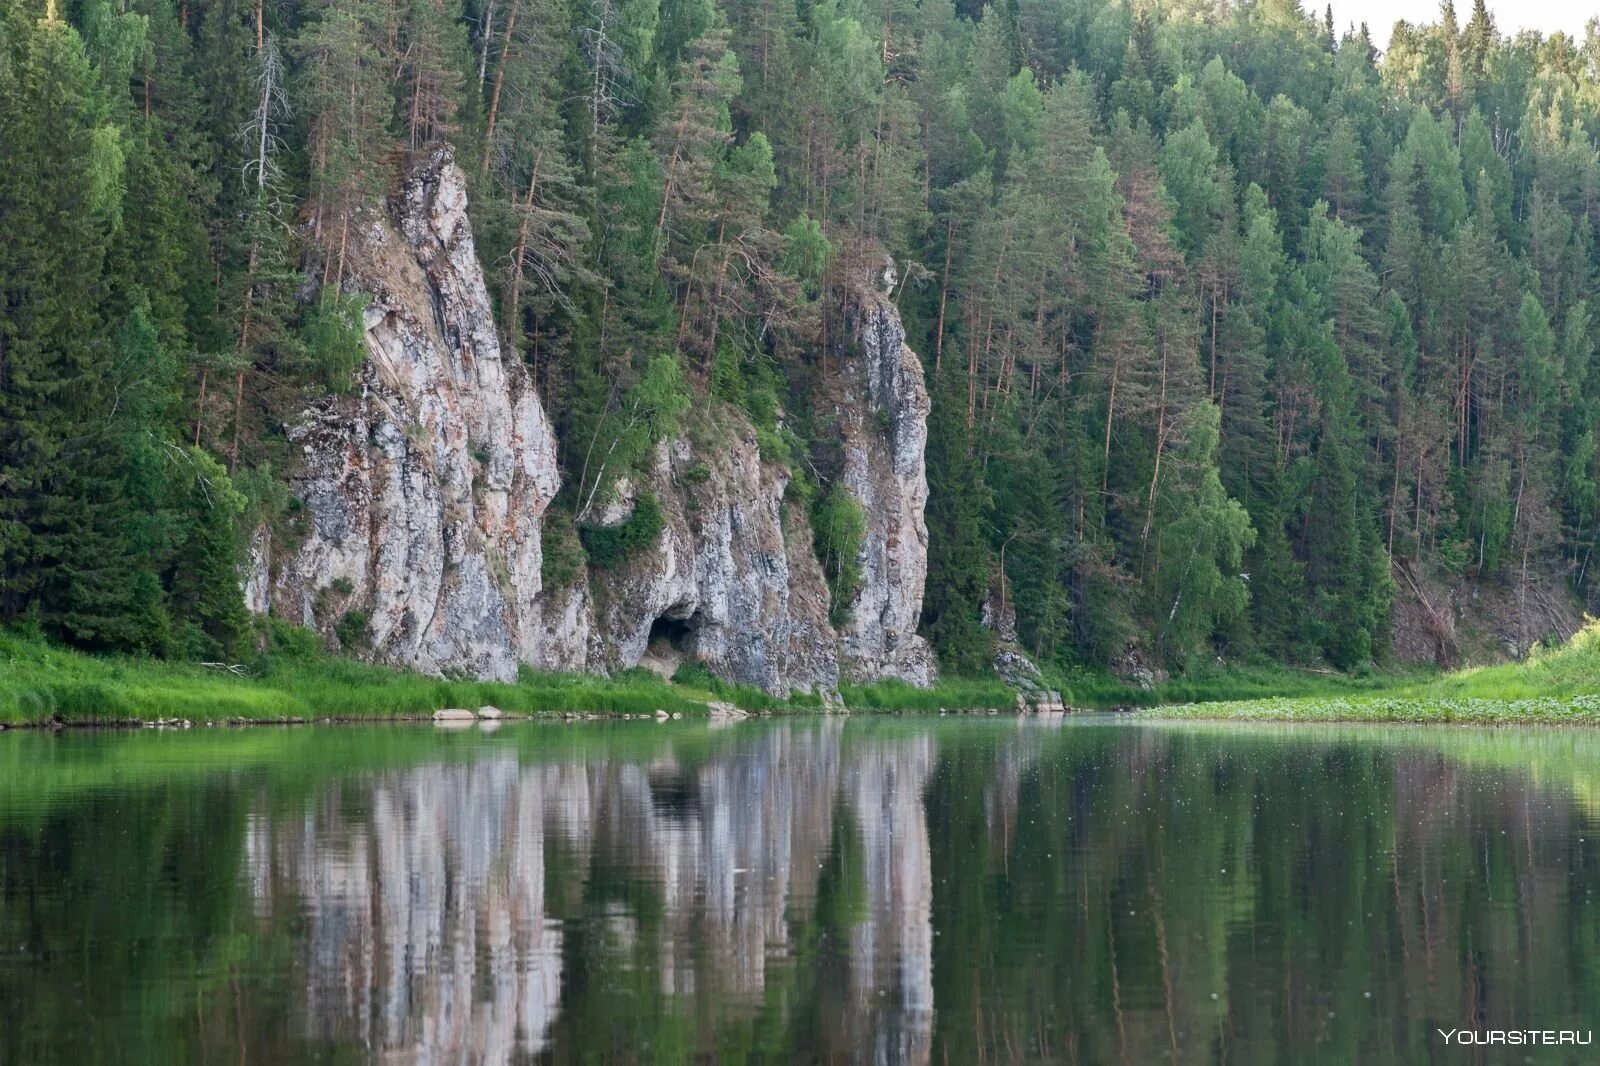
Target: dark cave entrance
<point x="675" y="634"/>
<point x="672" y="640"/>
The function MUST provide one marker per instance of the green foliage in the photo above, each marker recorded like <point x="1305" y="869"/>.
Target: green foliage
<point x="806" y="249"/>
<point x="1553" y="684"/>
<point x="608" y="547"/>
<point x="562" y="556"/>
<point x="291" y="679"/>
<point x="334" y="338"/>
<point x="650" y="413"/>
<point x="205" y="571"/>
<point x="696" y="677"/>
<point x="1199" y="581"/>
<point x="1196" y="297"/>
<point x="839" y="527"/>
<point x="958" y="561"/>
<point x="353" y="631"/>
<point x="951" y="693"/>
<point x="727" y="377"/>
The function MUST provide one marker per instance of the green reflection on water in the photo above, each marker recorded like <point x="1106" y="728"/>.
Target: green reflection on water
<point x="887" y="890"/>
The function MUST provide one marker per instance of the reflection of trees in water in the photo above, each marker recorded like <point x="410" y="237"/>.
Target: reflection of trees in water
<point x="888" y="892"/>
<point x="1171" y="896"/>
<point x="494" y="911"/>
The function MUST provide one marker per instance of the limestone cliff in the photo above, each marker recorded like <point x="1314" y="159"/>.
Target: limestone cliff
<point x="423" y="494"/>
<point x="734" y="582"/>
<point x="731" y="582"/>
<point x="882" y="408"/>
<point x="422" y="490"/>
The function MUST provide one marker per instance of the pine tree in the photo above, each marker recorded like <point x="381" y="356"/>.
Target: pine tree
<point x="62" y="510"/>
<point x="347" y="75"/>
<point x="958" y="561"/>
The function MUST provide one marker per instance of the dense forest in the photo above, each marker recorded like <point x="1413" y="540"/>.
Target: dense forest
<point x="1227" y="317"/>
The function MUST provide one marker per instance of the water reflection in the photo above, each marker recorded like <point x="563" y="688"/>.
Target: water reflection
<point x="429" y="938"/>
<point x="422" y="899"/>
<point x="886" y="892"/>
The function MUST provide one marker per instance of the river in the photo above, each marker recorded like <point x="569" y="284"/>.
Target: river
<point x="885" y="890"/>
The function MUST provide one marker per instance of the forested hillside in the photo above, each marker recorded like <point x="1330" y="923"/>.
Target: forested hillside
<point x="1229" y="322"/>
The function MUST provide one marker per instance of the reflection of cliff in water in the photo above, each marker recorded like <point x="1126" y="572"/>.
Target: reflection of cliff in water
<point x="455" y="912"/>
<point x="425" y="931"/>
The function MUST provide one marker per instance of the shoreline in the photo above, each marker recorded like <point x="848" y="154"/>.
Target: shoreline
<point x="46" y="686"/>
<point x="1580" y="710"/>
<point x="59" y="725"/>
<point x="1576" y="709"/>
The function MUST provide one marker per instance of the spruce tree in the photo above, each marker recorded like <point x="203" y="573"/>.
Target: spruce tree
<point x="63" y="560"/>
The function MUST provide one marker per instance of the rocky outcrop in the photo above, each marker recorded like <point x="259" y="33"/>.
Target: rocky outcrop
<point x="1012" y="663"/>
<point x="882" y="408"/>
<point x="731" y="582"/>
<point x="422" y="495"/>
<point x="734" y="582"/>
<point x="422" y="490"/>
<point x="1451" y="620"/>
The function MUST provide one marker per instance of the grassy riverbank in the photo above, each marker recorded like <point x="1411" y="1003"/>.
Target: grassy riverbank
<point x="1553" y="685"/>
<point x="42" y="683"/>
<point x="292" y="679"/>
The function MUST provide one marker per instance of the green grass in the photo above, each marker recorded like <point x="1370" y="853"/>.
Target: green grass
<point x="1571" y="669"/>
<point x="1552" y="710"/>
<point x="41" y="683"/>
<point x="699" y="678"/>
<point x="1553" y="685"/>
<point x="1099" y="690"/>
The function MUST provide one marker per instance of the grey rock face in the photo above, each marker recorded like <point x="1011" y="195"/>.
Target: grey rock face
<point x="423" y="493"/>
<point x="732" y="581"/>
<point x="423" y="490"/>
<point x="883" y="414"/>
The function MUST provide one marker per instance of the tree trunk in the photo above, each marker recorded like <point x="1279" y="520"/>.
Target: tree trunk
<point x="344" y="238"/>
<point x="672" y="163"/>
<point x="483" y="52"/>
<point x="1212" y="389"/>
<point x="1161" y="443"/>
<point x="944" y="294"/>
<point x="238" y="415"/>
<point x="200" y="406"/>
<point x="499" y="81"/>
<point x="1394" y="496"/>
<point x="1111" y="408"/>
<point x="988" y="329"/>
<point x="716" y="302"/>
<point x="514" y="297"/>
<point x="1418" y="531"/>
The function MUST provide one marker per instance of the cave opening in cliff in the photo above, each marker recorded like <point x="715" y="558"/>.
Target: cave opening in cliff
<point x="671" y="640"/>
<point x="675" y="634"/>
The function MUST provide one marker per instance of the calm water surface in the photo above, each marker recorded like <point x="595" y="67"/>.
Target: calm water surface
<point x="890" y="891"/>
